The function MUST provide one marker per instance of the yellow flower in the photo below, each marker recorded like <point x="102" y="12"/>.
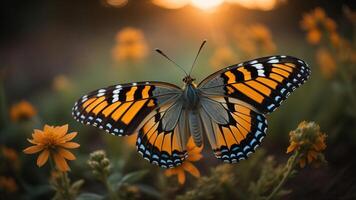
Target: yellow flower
<point x="308" y="22"/>
<point x="315" y="23"/>
<point x="330" y="24"/>
<point x="22" y="111"/>
<point x="314" y="36"/>
<point x="336" y="40"/>
<point x="222" y="57"/>
<point x="326" y="62"/>
<point x="10" y="154"/>
<point x="131" y="45"/>
<point x="309" y="141"/>
<point x="53" y="142"/>
<point x="255" y="39"/>
<point x="319" y="14"/>
<point x="194" y="154"/>
<point x="8" y="184"/>
<point x="61" y="82"/>
<point x="263" y="37"/>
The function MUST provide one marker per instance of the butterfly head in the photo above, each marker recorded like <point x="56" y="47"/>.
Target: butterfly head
<point x="188" y="80"/>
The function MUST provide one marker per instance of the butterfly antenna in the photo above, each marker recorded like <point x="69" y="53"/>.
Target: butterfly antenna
<point x="196" y="57"/>
<point x="164" y="55"/>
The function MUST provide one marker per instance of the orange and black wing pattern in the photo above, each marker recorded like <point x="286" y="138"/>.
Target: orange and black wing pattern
<point x="163" y="137"/>
<point x="240" y="135"/>
<point x="120" y="109"/>
<point x="263" y="83"/>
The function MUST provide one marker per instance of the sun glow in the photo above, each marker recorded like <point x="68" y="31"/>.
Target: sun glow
<point x="171" y="4"/>
<point x="206" y="4"/>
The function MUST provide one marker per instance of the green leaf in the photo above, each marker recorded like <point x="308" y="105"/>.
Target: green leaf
<point x="131" y="178"/>
<point x="75" y="187"/>
<point x="114" y="179"/>
<point x="150" y="191"/>
<point x="89" y="196"/>
<point x="283" y="193"/>
<point x="134" y="176"/>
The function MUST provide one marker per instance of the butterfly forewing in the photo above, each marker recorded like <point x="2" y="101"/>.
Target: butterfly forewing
<point x="120" y="109"/>
<point x="263" y="83"/>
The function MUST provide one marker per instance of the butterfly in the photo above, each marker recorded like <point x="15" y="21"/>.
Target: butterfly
<point x="229" y="107"/>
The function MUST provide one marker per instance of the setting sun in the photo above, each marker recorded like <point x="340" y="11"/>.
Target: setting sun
<point x="206" y="4"/>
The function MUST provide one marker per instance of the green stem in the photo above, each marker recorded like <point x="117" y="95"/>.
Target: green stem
<point x="112" y="193"/>
<point x="290" y="167"/>
<point x="64" y="184"/>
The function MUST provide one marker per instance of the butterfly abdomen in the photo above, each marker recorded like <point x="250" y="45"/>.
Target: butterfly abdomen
<point x="195" y="127"/>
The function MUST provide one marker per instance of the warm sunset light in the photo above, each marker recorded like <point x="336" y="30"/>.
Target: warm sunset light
<point x="171" y="4"/>
<point x="206" y="4"/>
<point x="256" y="4"/>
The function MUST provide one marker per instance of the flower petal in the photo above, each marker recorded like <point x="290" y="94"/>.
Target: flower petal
<point x="31" y="141"/>
<point x="33" y="149"/>
<point x="170" y="172"/>
<point x="194" y="157"/>
<point x="196" y="150"/>
<point x="38" y="136"/>
<point x="189" y="167"/>
<point x="292" y="147"/>
<point x="190" y="144"/>
<point x="66" y="154"/>
<point x="61" y="163"/>
<point x="47" y="128"/>
<point x="61" y="130"/>
<point x="69" y="145"/>
<point x="69" y="136"/>
<point x="42" y="158"/>
<point x="181" y="177"/>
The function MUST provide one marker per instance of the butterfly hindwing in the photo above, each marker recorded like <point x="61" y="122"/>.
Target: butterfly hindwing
<point x="236" y="137"/>
<point x="120" y="109"/>
<point x="163" y="137"/>
<point x="263" y="83"/>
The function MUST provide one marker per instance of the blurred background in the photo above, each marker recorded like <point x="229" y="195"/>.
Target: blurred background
<point x="53" y="52"/>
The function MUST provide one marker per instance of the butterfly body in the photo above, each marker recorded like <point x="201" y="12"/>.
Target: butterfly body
<point x="229" y="108"/>
<point x="190" y="97"/>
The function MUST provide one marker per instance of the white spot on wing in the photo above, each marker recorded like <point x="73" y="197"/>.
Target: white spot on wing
<point x="254" y="62"/>
<point x="258" y="66"/>
<point x="273" y="61"/>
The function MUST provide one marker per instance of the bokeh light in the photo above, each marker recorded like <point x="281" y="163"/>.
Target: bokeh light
<point x="256" y="4"/>
<point x="171" y="4"/>
<point x="116" y="3"/>
<point x="206" y="4"/>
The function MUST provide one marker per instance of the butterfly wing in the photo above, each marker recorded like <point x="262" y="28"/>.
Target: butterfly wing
<point x="238" y="133"/>
<point x="235" y="99"/>
<point x="162" y="139"/>
<point x="263" y="83"/>
<point x="121" y="109"/>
